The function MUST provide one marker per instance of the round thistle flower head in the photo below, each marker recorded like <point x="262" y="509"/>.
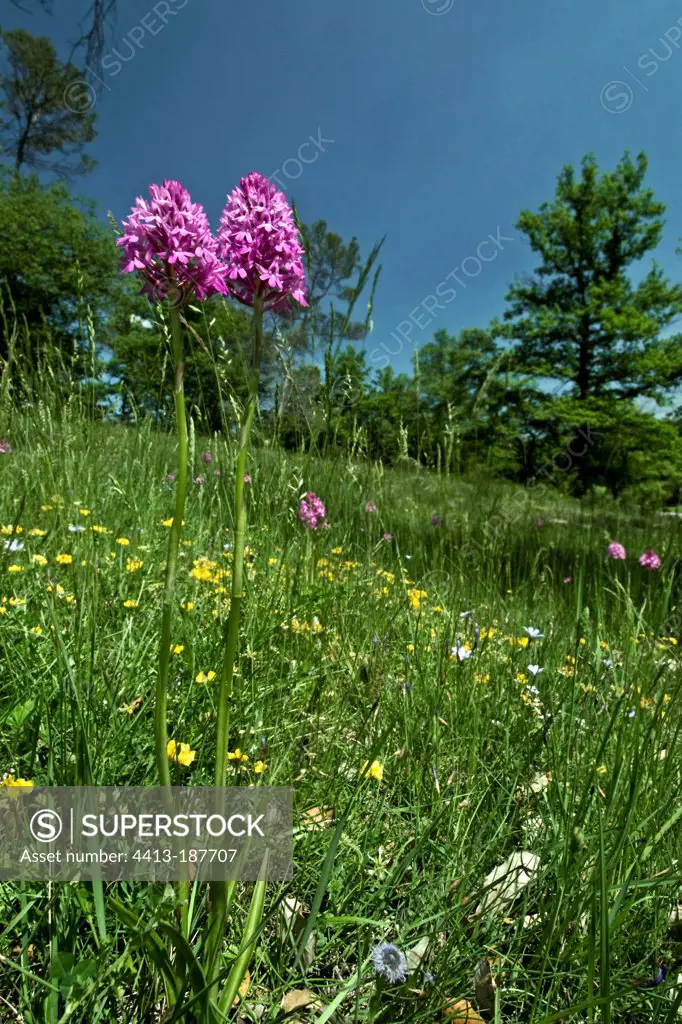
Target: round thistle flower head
<point x="390" y="962"/>
<point x="616" y="550"/>
<point x="167" y="240"/>
<point x="259" y="240"/>
<point x="312" y="512"/>
<point x="650" y="560"/>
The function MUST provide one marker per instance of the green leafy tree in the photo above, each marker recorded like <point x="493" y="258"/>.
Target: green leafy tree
<point x="46" y="118"/>
<point x="58" y="270"/>
<point x="580" y="322"/>
<point x="94" y="26"/>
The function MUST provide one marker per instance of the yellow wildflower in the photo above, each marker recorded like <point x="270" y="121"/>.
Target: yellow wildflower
<point x="133" y="565"/>
<point x="205" y="677"/>
<point x="38" y="630"/>
<point x="374" y="771"/>
<point x="130" y="603"/>
<point x="123" y="541"/>
<point x="64" y="559"/>
<point x="180" y="752"/>
<point x="39" y="560"/>
<point x="177" y="648"/>
<point x="35" y="532"/>
<point x="259" y="767"/>
<point x="9" y="780"/>
<point x="14" y="568"/>
<point x="236" y="755"/>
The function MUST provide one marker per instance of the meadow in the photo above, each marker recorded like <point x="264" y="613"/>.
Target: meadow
<point x="445" y="684"/>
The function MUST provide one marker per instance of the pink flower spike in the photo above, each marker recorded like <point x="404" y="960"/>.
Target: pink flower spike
<point x="312" y="512"/>
<point x="259" y="240"/>
<point x="616" y="551"/>
<point x="167" y="239"/>
<point x="650" y="560"/>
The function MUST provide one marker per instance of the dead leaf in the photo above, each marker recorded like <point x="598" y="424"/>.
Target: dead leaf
<point x="317" y="817"/>
<point x="462" y="1012"/>
<point x="507" y="881"/>
<point x="416" y="955"/>
<point x="297" y="999"/>
<point x="484" y="984"/>
<point x="243" y="989"/>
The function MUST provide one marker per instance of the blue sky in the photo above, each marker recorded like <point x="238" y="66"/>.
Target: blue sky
<point x="447" y="118"/>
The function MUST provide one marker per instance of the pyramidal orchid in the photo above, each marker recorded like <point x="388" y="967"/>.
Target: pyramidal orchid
<point x="167" y="241"/>
<point x="259" y="240"/>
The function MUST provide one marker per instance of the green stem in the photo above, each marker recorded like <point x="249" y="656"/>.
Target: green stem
<point x="161" y="703"/>
<point x="219" y="889"/>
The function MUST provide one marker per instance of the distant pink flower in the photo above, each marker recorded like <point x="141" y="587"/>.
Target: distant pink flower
<point x="167" y="240"/>
<point x="259" y="240"/>
<point x="650" y="560"/>
<point x="199" y="480"/>
<point x="388" y="537"/>
<point x="207" y="458"/>
<point x="247" y="478"/>
<point x="568" y="579"/>
<point x="436" y="519"/>
<point x="170" y="478"/>
<point x="216" y="472"/>
<point x="539" y="523"/>
<point x="5" y="446"/>
<point x="616" y="550"/>
<point x="312" y="512"/>
<point x="370" y="507"/>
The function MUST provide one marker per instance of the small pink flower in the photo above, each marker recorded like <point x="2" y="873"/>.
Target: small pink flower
<point x="216" y="472"/>
<point x="568" y="579"/>
<point x="247" y="478"/>
<point x="312" y="512"/>
<point x="370" y="507"/>
<point x="616" y="551"/>
<point x="388" y="537"/>
<point x="650" y="560"/>
<point x="199" y="480"/>
<point x="5" y="446"/>
<point x="207" y="458"/>
<point x="170" y="478"/>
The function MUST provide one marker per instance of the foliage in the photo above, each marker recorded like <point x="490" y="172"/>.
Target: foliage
<point x="48" y="120"/>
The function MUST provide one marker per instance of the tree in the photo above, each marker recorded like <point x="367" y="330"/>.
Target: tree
<point x="93" y="30"/>
<point x="46" y="121"/>
<point x="580" y="322"/>
<point x="58" y="265"/>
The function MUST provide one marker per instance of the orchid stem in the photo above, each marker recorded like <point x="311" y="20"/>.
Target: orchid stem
<point x="220" y="889"/>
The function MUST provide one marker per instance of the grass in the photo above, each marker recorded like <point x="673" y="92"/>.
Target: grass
<point x="346" y="661"/>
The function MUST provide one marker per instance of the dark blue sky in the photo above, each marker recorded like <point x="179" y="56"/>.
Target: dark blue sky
<point x="447" y="118"/>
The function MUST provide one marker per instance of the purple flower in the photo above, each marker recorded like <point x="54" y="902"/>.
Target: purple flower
<point x="199" y="480"/>
<point x="650" y="560"/>
<point x="436" y="520"/>
<point x="247" y="478"/>
<point x="312" y="512"/>
<point x="390" y="962"/>
<point x="5" y="446"/>
<point x="167" y="240"/>
<point x="568" y="579"/>
<point x="170" y="478"/>
<point x="259" y="240"/>
<point x="616" y="550"/>
<point x="370" y="507"/>
<point x="207" y="458"/>
<point x="388" y="537"/>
